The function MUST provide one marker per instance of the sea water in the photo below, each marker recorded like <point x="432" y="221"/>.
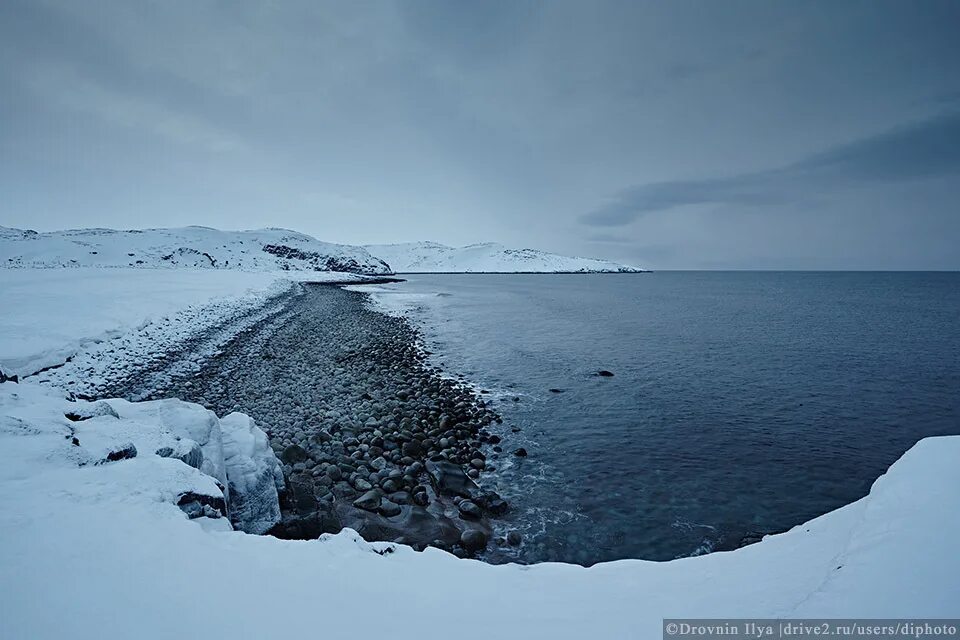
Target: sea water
<point x="742" y="403"/>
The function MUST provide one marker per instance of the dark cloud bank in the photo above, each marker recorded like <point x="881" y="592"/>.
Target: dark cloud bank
<point x="687" y="134"/>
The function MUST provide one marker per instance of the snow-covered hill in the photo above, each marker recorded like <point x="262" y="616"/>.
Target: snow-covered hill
<point x="203" y="247"/>
<point x="489" y="257"/>
<point x="272" y="249"/>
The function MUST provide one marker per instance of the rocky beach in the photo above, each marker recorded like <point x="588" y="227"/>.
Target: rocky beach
<point x="371" y="436"/>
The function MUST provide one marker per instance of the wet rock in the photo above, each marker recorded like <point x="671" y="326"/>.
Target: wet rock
<point x="369" y="501"/>
<point x="603" y="373"/>
<point x="388" y="508"/>
<point x="520" y="453"/>
<point x="470" y="510"/>
<point x="492" y="503"/>
<point x="473" y="540"/>
<point x="449" y="479"/>
<point x="514" y="538"/>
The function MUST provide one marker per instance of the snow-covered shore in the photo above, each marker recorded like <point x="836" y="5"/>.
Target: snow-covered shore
<point x="93" y="550"/>
<point x="101" y="550"/>
<point x="50" y="315"/>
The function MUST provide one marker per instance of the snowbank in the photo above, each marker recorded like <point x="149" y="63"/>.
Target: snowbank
<point x="102" y="551"/>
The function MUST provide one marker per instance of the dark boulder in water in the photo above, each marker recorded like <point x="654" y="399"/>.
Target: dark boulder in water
<point x="603" y="373"/>
<point x="520" y="453"/>
<point x="492" y="503"/>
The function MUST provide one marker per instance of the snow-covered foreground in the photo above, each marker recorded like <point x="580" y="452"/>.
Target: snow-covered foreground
<point x="97" y="548"/>
<point x="101" y="551"/>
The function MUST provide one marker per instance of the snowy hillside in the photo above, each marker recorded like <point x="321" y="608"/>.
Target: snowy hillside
<point x="489" y="257"/>
<point x="198" y="247"/>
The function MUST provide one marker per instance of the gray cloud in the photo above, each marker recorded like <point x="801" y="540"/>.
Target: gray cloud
<point x="919" y="150"/>
<point x="506" y="120"/>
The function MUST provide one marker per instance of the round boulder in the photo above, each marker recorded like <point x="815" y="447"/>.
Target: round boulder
<point x="473" y="540"/>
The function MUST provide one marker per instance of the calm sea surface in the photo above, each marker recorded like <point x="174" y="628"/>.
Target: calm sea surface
<point x="741" y="403"/>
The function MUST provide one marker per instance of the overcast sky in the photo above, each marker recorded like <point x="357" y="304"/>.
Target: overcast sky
<point x="669" y="135"/>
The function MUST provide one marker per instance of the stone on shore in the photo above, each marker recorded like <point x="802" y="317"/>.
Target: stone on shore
<point x="473" y="540"/>
<point x="449" y="479"/>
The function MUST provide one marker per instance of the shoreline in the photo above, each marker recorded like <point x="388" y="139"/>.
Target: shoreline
<point x="373" y="438"/>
